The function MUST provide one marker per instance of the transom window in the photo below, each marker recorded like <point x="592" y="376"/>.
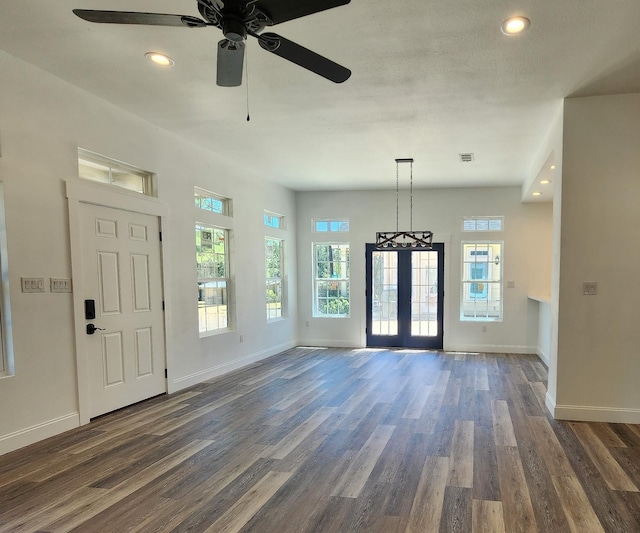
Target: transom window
<point x="212" y="257"/>
<point x="273" y="266"/>
<point x="482" y="223"/>
<point x="272" y="220"/>
<point x="95" y="167"/>
<point x="481" y="294"/>
<point x="211" y="202"/>
<point x="324" y="225"/>
<point x="331" y="281"/>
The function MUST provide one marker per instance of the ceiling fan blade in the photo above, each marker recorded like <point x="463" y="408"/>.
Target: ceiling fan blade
<point x="150" y="19"/>
<point x="230" y="63"/>
<point x="283" y="10"/>
<point x="304" y="57"/>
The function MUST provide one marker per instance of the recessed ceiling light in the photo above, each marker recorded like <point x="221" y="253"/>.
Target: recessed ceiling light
<point x="160" y="59"/>
<point x="537" y="194"/>
<point x="553" y="167"/>
<point x="545" y="182"/>
<point x="515" y="25"/>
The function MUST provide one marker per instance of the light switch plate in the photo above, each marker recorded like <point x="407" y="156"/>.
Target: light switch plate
<point x="60" y="285"/>
<point x="32" y="284"/>
<point x="589" y="288"/>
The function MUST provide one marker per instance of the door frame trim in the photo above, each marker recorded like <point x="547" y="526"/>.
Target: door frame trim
<point x="85" y="192"/>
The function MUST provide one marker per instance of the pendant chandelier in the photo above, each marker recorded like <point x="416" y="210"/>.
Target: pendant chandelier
<point x="408" y="240"/>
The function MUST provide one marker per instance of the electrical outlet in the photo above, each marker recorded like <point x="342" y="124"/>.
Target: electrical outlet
<point x="306" y="323"/>
<point x="590" y="288"/>
<point x="511" y="284"/>
<point x="484" y="329"/>
<point x="241" y="338"/>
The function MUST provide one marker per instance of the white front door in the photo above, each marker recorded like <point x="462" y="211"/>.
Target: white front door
<point x="122" y="275"/>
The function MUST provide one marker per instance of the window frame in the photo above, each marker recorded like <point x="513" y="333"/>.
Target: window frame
<point x="270" y="215"/>
<point x="490" y="288"/>
<point x="342" y="282"/>
<point x="110" y="165"/>
<point x="7" y="361"/>
<point x="222" y="283"/>
<point x="275" y="280"/>
<point x="476" y="219"/>
<point x="204" y="194"/>
<point x="338" y="223"/>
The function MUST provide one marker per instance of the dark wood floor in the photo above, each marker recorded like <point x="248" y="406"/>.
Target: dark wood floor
<point x="336" y="440"/>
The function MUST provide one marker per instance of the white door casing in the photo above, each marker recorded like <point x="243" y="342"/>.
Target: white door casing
<point x="116" y="261"/>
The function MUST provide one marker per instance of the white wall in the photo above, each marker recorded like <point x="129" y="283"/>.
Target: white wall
<point x="598" y="368"/>
<point x="527" y="256"/>
<point x="43" y="120"/>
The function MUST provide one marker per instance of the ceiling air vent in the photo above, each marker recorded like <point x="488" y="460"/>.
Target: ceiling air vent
<point x="466" y="158"/>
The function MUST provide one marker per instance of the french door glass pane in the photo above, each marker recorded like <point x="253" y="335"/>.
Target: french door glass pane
<point x="384" y="290"/>
<point x="424" y="294"/>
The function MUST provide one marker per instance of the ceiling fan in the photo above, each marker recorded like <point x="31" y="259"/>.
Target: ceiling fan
<point x="237" y="19"/>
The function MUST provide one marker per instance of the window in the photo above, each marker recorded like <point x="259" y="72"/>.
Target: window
<point x="98" y="168"/>
<point x="322" y="225"/>
<point x="331" y="282"/>
<point x="212" y="257"/>
<point x="7" y="363"/>
<point x="482" y="223"/>
<point x="273" y="266"/>
<point x="272" y="220"/>
<point x="481" y="298"/>
<point x="211" y="202"/>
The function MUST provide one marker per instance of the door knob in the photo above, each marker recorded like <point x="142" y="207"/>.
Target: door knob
<point x="91" y="329"/>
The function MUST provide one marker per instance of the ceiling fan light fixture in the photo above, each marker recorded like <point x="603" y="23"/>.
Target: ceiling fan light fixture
<point x="515" y="25"/>
<point x="159" y="59"/>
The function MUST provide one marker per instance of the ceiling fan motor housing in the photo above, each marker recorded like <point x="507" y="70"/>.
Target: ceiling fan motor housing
<point x="234" y="29"/>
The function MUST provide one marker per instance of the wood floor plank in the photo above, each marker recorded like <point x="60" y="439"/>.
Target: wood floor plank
<point x="576" y="505"/>
<point x="461" y="460"/>
<point x="613" y="474"/>
<point x="426" y="512"/>
<point x="487" y="517"/>
<point x="516" y="502"/>
<point x="502" y="424"/>
<point x="354" y="478"/>
<point x="242" y="511"/>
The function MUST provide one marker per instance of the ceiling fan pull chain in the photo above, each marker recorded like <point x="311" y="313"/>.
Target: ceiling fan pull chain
<point x="246" y="75"/>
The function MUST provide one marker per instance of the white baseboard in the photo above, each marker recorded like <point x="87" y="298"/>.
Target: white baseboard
<point x="585" y="413"/>
<point x="224" y="368"/>
<point x="490" y="348"/>
<point x="545" y="357"/>
<point x="44" y="430"/>
<point x="332" y="343"/>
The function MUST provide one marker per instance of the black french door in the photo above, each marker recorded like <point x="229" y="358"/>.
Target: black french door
<point x="405" y="293"/>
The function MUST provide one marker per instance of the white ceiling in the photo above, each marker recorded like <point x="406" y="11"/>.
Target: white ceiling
<point x="431" y="79"/>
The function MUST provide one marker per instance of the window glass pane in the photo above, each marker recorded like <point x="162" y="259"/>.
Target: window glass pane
<point x="273" y="268"/>
<point x="339" y="225"/>
<point x="211" y="202"/>
<point x="385" y="293"/>
<point x="212" y="268"/>
<point x="273" y="221"/>
<point x="331" y="279"/>
<point x="481" y="281"/>
<point x="482" y="223"/>
<point x="98" y="168"/>
<point x="126" y="180"/>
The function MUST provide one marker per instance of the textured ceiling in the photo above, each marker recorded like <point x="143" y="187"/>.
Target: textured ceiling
<point x="431" y="79"/>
